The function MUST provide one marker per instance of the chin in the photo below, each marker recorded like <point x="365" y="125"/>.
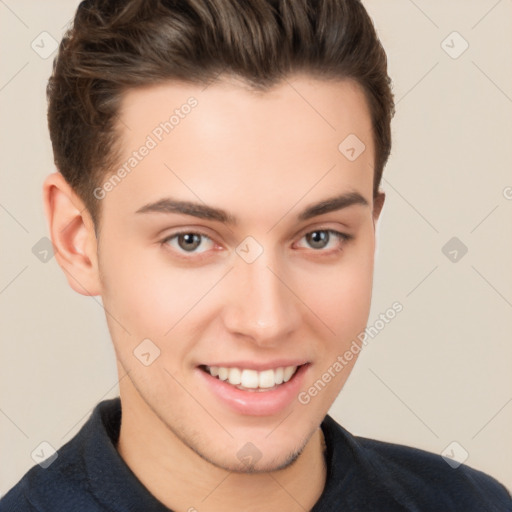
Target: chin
<point x="248" y="466"/>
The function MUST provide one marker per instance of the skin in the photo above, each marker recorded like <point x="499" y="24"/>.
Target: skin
<point x="263" y="157"/>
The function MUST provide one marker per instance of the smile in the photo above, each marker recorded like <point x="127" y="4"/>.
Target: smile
<point x="254" y="389"/>
<point x="252" y="380"/>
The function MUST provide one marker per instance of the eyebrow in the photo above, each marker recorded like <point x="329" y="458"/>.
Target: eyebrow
<point x="202" y="211"/>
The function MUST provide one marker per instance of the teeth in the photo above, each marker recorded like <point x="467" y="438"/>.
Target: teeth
<point x="249" y="378"/>
<point x="288" y="372"/>
<point x="252" y="379"/>
<point x="235" y="376"/>
<point x="266" y="379"/>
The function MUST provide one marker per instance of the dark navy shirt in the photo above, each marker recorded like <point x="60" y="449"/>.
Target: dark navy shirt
<point x="362" y="475"/>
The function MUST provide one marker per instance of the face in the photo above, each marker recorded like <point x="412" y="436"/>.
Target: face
<point x="236" y="260"/>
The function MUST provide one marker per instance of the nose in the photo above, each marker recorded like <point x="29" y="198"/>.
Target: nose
<point x="261" y="304"/>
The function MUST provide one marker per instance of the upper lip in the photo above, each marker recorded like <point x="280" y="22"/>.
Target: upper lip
<point x="259" y="366"/>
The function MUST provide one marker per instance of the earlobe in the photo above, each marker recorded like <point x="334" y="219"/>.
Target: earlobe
<point x="72" y="233"/>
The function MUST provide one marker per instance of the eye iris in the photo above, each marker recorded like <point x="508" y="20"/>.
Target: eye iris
<point x="318" y="239"/>
<point x="189" y="241"/>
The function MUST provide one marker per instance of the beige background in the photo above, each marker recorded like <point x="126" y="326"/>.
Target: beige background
<point x="439" y="372"/>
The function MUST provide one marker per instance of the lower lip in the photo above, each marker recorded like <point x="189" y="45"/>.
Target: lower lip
<point x="256" y="403"/>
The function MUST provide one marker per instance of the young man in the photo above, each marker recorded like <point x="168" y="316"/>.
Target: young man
<point x="218" y="186"/>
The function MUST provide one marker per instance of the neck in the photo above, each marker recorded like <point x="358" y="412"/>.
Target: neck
<point x="183" y="481"/>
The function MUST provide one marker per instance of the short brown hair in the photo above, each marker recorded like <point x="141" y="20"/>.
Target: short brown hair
<point x="116" y="45"/>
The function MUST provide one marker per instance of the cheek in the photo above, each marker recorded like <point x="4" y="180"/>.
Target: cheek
<point x="139" y="297"/>
<point x="151" y="298"/>
<point x="340" y="294"/>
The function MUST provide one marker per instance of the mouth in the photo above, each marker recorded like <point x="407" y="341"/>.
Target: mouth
<point x="247" y="379"/>
<point x="243" y="389"/>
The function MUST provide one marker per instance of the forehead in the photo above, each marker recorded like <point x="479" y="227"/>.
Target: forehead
<point x="227" y="142"/>
<point x="329" y="107"/>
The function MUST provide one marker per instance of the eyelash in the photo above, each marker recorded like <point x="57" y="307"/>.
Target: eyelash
<point x="343" y="237"/>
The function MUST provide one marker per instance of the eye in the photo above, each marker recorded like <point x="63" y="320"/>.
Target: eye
<point x="325" y="239"/>
<point x="189" y="242"/>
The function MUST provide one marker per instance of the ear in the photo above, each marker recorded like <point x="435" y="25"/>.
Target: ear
<point x="378" y="204"/>
<point x="72" y="234"/>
